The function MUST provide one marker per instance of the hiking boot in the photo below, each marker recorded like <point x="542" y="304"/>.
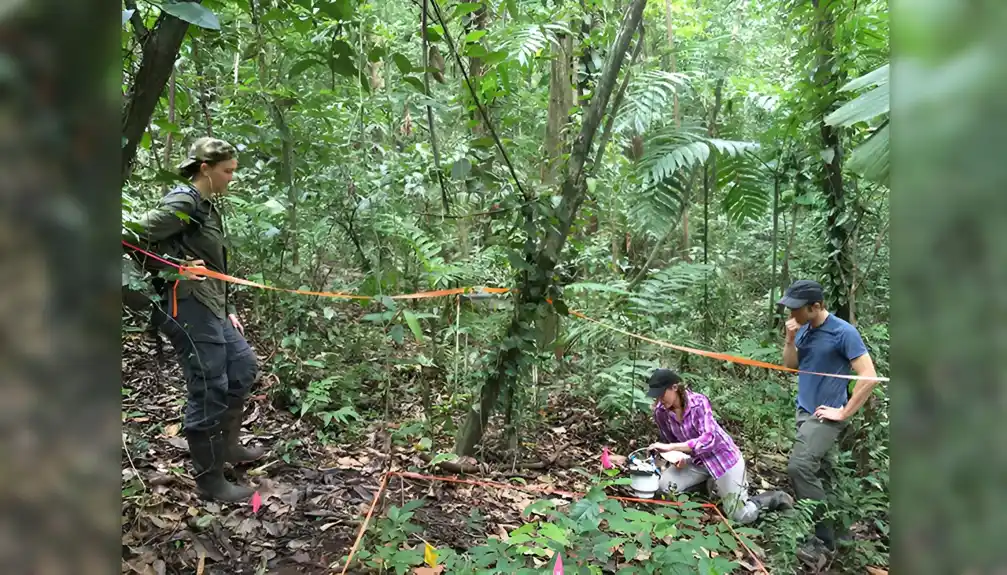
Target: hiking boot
<point x="774" y="500"/>
<point x="814" y="554"/>
<point x="207" y="453"/>
<point x="234" y="451"/>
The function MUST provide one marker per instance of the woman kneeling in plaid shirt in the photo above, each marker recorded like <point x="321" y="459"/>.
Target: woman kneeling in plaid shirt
<point x="686" y="424"/>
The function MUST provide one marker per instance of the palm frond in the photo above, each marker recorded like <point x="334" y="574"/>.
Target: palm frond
<point x="870" y="158"/>
<point x="675" y="150"/>
<point x="744" y="180"/>
<point x="528" y="42"/>
<point x="648" y="98"/>
<point x="657" y="207"/>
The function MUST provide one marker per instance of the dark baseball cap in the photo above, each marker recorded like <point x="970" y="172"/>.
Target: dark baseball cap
<point x="660" y="380"/>
<point x="801" y="293"/>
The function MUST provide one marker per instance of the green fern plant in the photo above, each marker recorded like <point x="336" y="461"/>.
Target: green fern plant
<point x="619" y="390"/>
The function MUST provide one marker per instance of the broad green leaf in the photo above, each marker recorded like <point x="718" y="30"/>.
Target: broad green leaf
<point x="338" y="9"/>
<point x="398" y="333"/>
<point x="553" y="532"/>
<point x="376" y="53"/>
<point x="414" y="325"/>
<point x="415" y="83"/>
<point x="344" y="67"/>
<point x="495" y="57"/>
<point x="402" y="63"/>
<point x="342" y="49"/>
<point x="870" y="159"/>
<point x="192" y="13"/>
<point x="483" y="142"/>
<point x="861" y="109"/>
<point x="475" y="51"/>
<point x="303" y="65"/>
<point x="435" y="33"/>
<point x="475" y="35"/>
<point x="273" y="206"/>
<point x="878" y="76"/>
<point x="466" y="8"/>
<point x="512" y="9"/>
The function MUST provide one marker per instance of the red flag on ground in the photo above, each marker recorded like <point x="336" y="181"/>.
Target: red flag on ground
<point x="605" y="462"/>
<point x="558" y="568"/>
<point x="256" y="502"/>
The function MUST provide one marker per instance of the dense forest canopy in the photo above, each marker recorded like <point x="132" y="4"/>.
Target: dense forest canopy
<point x="665" y="168"/>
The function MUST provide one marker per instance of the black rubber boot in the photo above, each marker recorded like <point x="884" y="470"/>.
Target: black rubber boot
<point x="774" y="500"/>
<point x="234" y="451"/>
<point x="207" y="452"/>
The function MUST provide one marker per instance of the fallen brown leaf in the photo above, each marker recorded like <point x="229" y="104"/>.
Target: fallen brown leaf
<point x="428" y="570"/>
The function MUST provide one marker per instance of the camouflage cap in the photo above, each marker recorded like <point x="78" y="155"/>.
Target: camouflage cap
<point x="208" y="149"/>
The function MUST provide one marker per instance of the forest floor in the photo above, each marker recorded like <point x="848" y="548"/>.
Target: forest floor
<point x="314" y="496"/>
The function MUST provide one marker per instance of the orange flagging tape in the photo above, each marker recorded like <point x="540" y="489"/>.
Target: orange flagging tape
<point x="202" y="271"/>
<point x="723" y="356"/>
<point x="532" y="489"/>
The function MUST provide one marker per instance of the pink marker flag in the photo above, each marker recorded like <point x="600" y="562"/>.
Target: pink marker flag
<point x="605" y="462"/>
<point x="558" y="568"/>
<point x="256" y="502"/>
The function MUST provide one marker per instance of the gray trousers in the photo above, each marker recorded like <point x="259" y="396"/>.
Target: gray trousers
<point x="732" y="488"/>
<point x="810" y="466"/>
<point x="219" y="365"/>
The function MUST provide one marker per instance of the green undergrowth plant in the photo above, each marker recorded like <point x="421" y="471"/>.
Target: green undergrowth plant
<point x="593" y="535"/>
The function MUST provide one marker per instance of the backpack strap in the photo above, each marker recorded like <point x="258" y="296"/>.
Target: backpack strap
<point x="195" y="218"/>
<point x="174" y="244"/>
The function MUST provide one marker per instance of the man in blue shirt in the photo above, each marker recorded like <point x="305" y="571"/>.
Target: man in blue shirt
<point x="820" y="342"/>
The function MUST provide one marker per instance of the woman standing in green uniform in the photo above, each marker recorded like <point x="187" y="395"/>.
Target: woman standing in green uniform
<point x="200" y="321"/>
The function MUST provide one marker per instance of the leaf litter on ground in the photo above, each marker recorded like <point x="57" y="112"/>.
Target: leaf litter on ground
<point x="313" y="498"/>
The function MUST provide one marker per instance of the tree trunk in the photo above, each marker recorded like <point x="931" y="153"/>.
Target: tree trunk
<point x="710" y="186"/>
<point x="445" y="204"/>
<point x="775" y="248"/>
<point x="560" y="102"/>
<point x="159" y="51"/>
<point x="838" y="267"/>
<point x="478" y="22"/>
<point x="606" y="134"/>
<point x="288" y="179"/>
<point x="586" y="60"/>
<point x="536" y="281"/>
